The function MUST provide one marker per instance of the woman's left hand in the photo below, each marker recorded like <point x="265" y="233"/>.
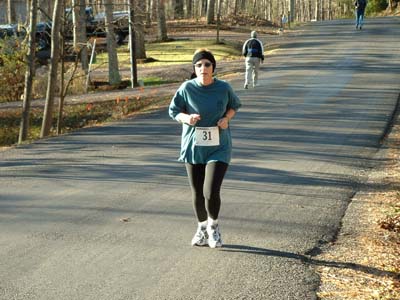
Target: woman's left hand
<point x="223" y="123"/>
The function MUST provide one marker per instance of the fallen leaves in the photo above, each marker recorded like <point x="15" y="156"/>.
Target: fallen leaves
<point x="373" y="247"/>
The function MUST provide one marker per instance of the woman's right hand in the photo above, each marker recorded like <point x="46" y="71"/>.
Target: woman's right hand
<point x="193" y="119"/>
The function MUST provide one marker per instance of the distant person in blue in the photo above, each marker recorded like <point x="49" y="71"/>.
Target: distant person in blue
<point x="253" y="51"/>
<point x="205" y="106"/>
<point x="360" y="11"/>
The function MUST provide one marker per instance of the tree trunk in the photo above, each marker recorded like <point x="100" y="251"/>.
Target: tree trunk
<point x="10" y="12"/>
<point x="28" y="7"/>
<point x="62" y="73"/>
<point x="243" y="5"/>
<point x="30" y="72"/>
<point x="178" y="9"/>
<point x="113" y="70"/>
<point x="80" y="38"/>
<point x="148" y="13"/>
<point x="46" y="9"/>
<point x="292" y="9"/>
<point x="203" y="9"/>
<point x="322" y="10"/>
<point x="52" y="79"/>
<point x="139" y="29"/>
<point x="132" y="42"/>
<point x="189" y="8"/>
<point x="218" y="19"/>
<point x="329" y="16"/>
<point x="235" y="7"/>
<point x="317" y="18"/>
<point x="154" y="10"/>
<point x="161" y="22"/>
<point x="210" y="11"/>
<point x="270" y="17"/>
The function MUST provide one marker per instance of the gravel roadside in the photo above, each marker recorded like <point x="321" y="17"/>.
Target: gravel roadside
<point x="364" y="260"/>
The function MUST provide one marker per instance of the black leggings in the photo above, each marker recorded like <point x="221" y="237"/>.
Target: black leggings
<point x="205" y="182"/>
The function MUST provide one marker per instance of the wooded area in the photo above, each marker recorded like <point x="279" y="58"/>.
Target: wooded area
<point x="299" y="10"/>
<point x="80" y="20"/>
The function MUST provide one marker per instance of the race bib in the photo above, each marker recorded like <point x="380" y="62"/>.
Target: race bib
<point x="207" y="136"/>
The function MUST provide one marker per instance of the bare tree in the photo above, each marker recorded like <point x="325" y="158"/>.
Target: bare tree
<point x="140" y="17"/>
<point x="79" y="32"/>
<point x="29" y="74"/>
<point x="269" y="16"/>
<point x="113" y="70"/>
<point x="52" y="78"/>
<point x="161" y="21"/>
<point x="292" y="10"/>
<point x="189" y="8"/>
<point x="218" y="19"/>
<point x="28" y="7"/>
<point x="210" y="11"/>
<point x="178" y="9"/>
<point x="329" y="14"/>
<point x="153" y="9"/>
<point x="132" y="42"/>
<point x="148" y="12"/>
<point x="10" y="12"/>
<point x="45" y="8"/>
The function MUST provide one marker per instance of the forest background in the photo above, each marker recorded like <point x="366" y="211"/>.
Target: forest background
<point x="14" y="11"/>
<point x="19" y="60"/>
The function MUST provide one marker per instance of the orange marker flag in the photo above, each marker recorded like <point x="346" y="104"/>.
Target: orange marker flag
<point x="89" y="106"/>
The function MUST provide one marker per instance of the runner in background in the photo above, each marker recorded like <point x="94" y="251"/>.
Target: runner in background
<point x="253" y="51"/>
<point x="360" y="11"/>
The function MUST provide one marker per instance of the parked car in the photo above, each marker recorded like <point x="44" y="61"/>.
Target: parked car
<point x="43" y="39"/>
<point x="43" y="35"/>
<point x="96" y="25"/>
<point x="120" y="22"/>
<point x="9" y="30"/>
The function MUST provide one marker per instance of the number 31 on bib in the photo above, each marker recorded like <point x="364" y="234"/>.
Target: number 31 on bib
<point x="207" y="136"/>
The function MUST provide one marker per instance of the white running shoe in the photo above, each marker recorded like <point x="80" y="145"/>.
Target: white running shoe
<point x="214" y="236"/>
<point x="200" y="238"/>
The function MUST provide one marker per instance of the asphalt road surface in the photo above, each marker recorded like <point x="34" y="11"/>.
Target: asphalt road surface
<point x="105" y="213"/>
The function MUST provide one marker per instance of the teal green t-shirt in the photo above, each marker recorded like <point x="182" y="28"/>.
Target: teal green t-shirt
<point x="211" y="102"/>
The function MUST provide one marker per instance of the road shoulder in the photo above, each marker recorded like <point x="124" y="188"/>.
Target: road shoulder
<point x="364" y="261"/>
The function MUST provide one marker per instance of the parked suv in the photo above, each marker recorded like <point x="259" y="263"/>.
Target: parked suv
<point x="120" y="22"/>
<point x="96" y="25"/>
<point x="8" y="30"/>
<point x="43" y="35"/>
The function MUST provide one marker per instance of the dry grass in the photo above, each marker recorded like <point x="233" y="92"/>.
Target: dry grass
<point x="372" y="250"/>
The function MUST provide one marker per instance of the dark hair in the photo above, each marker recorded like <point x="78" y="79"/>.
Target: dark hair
<point x="204" y="54"/>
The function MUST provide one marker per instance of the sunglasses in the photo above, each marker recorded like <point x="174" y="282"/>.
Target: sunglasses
<point x="207" y="65"/>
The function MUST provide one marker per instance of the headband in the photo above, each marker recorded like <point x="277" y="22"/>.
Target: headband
<point x="204" y="55"/>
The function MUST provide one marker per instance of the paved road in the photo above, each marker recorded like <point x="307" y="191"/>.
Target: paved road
<point x="105" y="213"/>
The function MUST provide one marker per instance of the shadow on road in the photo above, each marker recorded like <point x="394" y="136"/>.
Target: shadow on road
<point x="306" y="259"/>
